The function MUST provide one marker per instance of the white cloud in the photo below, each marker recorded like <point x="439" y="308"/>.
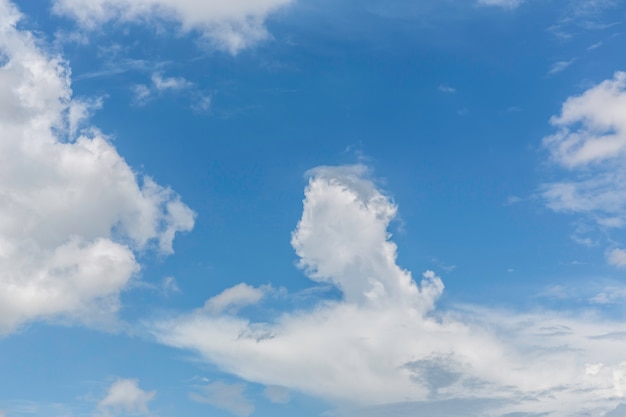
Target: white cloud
<point x="342" y="249"/>
<point x="446" y="89"/>
<point x="72" y="212"/>
<point x="229" y="397"/>
<point x="507" y="4"/>
<point x="228" y="25"/>
<point x="610" y="295"/>
<point x="592" y="126"/>
<point x="595" y="46"/>
<point x="386" y="344"/>
<point x="617" y="257"/>
<point x="162" y="83"/>
<point x="591" y="145"/>
<point x="202" y="103"/>
<point x="124" y="397"/>
<point x="142" y="94"/>
<point x="559" y="66"/>
<point x="169" y="285"/>
<point x="234" y="298"/>
<point x="277" y="395"/>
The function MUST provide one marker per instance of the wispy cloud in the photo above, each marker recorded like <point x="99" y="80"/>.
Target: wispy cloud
<point x="559" y="66"/>
<point x="444" y="88"/>
<point x="230" y="26"/>
<point x="507" y="4"/>
<point x="229" y="397"/>
<point x="277" y="395"/>
<point x="233" y="298"/>
<point x="161" y="84"/>
<point x="581" y="16"/>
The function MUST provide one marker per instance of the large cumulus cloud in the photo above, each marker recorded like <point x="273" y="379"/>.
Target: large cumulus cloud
<point x="72" y="212"/>
<point x="386" y="346"/>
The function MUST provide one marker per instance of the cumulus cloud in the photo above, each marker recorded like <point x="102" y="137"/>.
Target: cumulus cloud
<point x="229" y="397"/>
<point x="228" y="25"/>
<point x="124" y="397"/>
<point x="591" y="126"/>
<point x="72" y="212"/>
<point x="590" y="144"/>
<point x="385" y="345"/>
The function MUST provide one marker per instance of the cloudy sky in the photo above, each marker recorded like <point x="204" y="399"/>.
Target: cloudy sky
<point x="312" y="208"/>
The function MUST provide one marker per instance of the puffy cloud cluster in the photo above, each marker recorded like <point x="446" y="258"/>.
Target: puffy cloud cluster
<point x="72" y="212"/>
<point x="353" y="251"/>
<point x="385" y="348"/>
<point x="591" y="145"/>
<point x="592" y="126"/>
<point x="228" y="25"/>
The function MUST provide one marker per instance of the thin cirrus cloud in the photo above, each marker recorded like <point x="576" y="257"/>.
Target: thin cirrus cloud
<point x="386" y="348"/>
<point x="229" y="397"/>
<point x="227" y="25"/>
<point x="72" y="212"/>
<point x="559" y="66"/>
<point x="277" y="395"/>
<point x="509" y="4"/>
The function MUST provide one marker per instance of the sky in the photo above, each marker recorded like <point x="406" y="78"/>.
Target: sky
<point x="323" y="208"/>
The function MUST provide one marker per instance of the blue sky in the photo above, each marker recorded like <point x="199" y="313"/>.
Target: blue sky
<point x="289" y="207"/>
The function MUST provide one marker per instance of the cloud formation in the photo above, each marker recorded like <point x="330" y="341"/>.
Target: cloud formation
<point x="277" y="395"/>
<point x="228" y="25"/>
<point x="507" y="4"/>
<point x="559" y="66"/>
<point x="160" y="84"/>
<point x="591" y="126"/>
<point x="124" y="397"/>
<point x="590" y="144"/>
<point x="229" y="397"/>
<point x="234" y="298"/>
<point x="386" y="346"/>
<point x="72" y="212"/>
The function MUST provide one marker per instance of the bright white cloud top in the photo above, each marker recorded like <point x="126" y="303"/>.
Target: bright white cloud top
<point x="386" y="342"/>
<point x="274" y="308"/>
<point x="73" y="212"/>
<point x="592" y="126"/>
